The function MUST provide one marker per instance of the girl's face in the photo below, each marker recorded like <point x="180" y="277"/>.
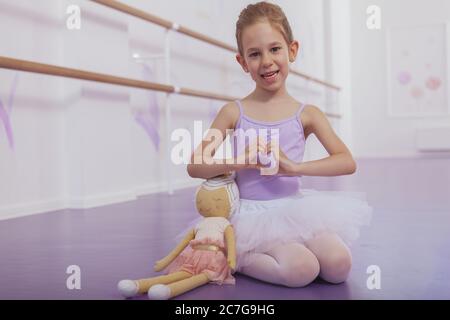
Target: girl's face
<point x="266" y="55"/>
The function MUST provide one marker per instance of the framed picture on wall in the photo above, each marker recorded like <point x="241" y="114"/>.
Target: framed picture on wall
<point x="418" y="68"/>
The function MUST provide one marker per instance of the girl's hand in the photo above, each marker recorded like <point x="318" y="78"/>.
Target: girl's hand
<point x="285" y="165"/>
<point x="249" y="158"/>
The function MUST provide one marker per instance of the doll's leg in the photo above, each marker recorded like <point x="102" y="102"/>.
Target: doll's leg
<point x="292" y="265"/>
<point x="334" y="257"/>
<point x="163" y="292"/>
<point x="145" y="284"/>
<point x="130" y="288"/>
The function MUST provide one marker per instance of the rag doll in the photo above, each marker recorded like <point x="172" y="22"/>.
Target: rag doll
<point x="207" y="254"/>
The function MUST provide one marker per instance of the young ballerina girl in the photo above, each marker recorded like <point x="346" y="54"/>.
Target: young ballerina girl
<point x="284" y="235"/>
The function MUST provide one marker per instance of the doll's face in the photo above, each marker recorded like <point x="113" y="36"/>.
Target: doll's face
<point x="213" y="203"/>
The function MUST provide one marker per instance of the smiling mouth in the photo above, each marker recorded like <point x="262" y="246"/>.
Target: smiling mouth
<point x="270" y="75"/>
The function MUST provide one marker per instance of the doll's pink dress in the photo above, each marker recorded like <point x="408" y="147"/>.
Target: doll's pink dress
<point x="209" y="231"/>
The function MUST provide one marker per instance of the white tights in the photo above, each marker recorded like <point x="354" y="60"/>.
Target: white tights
<point x="297" y="265"/>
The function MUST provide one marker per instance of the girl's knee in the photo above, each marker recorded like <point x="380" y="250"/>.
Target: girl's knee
<point x="336" y="267"/>
<point x="299" y="272"/>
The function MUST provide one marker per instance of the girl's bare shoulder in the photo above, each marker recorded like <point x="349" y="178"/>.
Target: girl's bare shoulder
<point x="229" y="113"/>
<point x="309" y="116"/>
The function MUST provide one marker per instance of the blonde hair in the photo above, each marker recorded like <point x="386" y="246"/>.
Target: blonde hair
<point x="263" y="12"/>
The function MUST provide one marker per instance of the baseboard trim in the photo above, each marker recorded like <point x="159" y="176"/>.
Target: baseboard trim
<point x="45" y="206"/>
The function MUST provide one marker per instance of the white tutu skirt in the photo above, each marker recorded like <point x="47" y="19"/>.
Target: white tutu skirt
<point x="261" y="225"/>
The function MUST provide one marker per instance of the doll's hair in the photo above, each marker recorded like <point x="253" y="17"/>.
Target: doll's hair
<point x="227" y="182"/>
<point x="263" y="12"/>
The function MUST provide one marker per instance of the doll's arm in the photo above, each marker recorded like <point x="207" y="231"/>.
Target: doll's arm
<point x="164" y="262"/>
<point x="231" y="247"/>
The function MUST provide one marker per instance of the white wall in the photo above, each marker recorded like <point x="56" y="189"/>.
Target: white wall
<point x="31" y="172"/>
<point x="377" y="134"/>
<point x="337" y="66"/>
<point x="77" y="144"/>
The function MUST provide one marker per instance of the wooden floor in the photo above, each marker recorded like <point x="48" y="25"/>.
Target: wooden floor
<point x="408" y="240"/>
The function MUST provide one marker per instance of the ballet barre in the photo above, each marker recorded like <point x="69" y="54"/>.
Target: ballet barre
<point x="48" y="69"/>
<point x="52" y="70"/>
<point x="116" y="5"/>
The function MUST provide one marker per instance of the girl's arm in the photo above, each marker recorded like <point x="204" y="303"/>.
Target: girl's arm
<point x="202" y="164"/>
<point x="340" y="161"/>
